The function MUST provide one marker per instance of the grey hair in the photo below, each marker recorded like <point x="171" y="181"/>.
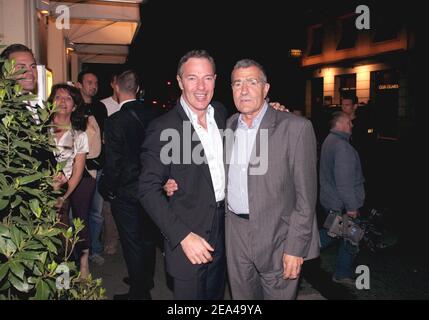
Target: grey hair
<point x="246" y="63"/>
<point x="336" y="116"/>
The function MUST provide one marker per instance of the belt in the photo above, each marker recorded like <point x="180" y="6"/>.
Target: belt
<point x="220" y="204"/>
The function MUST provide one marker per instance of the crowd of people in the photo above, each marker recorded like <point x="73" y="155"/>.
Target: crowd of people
<point x="234" y="198"/>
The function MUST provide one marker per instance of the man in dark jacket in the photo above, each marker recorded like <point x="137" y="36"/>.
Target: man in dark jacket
<point x="341" y="189"/>
<point x="124" y="134"/>
<point x="192" y="220"/>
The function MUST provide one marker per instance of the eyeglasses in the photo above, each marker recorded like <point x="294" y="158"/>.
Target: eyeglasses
<point x="252" y="82"/>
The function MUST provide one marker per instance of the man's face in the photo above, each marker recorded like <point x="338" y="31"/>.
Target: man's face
<point x="249" y="90"/>
<point x="197" y="83"/>
<point x="25" y="61"/>
<point x="344" y="124"/>
<point x="89" y="85"/>
<point x="348" y="107"/>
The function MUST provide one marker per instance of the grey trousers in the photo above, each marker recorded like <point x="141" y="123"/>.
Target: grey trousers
<point x="245" y="280"/>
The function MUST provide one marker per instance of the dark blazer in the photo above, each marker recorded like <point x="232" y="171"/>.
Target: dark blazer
<point x="123" y="138"/>
<point x="192" y="207"/>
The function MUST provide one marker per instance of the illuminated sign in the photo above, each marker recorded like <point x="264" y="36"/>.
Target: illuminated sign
<point x="295" y="53"/>
<point x="388" y="86"/>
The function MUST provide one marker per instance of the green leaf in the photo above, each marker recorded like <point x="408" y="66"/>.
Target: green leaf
<point x="3" y="203"/>
<point x="4" y="231"/>
<point x="16" y="236"/>
<point x="17" y="268"/>
<point x="5" y="286"/>
<point x="16" y="202"/>
<point x="7" y="191"/>
<point x="36" y="270"/>
<point x="34" y="246"/>
<point x="28" y="179"/>
<point x="35" y="206"/>
<point x="20" y="285"/>
<point x="43" y="291"/>
<point x="4" y="268"/>
<point x="50" y="246"/>
<point x="22" y="144"/>
<point x="33" y="192"/>
<point x="9" y="247"/>
<point x="43" y="114"/>
<point x="28" y="255"/>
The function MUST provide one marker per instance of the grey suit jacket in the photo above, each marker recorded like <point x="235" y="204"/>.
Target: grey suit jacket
<point x="282" y="201"/>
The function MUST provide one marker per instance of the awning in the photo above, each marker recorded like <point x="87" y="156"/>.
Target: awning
<point x="99" y="31"/>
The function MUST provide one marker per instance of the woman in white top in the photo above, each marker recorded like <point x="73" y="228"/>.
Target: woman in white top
<point x="68" y="130"/>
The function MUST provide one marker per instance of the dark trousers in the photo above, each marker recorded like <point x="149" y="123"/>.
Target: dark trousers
<point x="137" y="235"/>
<point x="209" y="283"/>
<point x="80" y="202"/>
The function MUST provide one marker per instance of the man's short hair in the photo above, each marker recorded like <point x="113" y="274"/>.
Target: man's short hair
<point x="246" y="63"/>
<point x="17" y="47"/>
<point x="82" y="75"/>
<point x="350" y="96"/>
<point x="128" y="81"/>
<point x="195" y="54"/>
<point x="336" y="116"/>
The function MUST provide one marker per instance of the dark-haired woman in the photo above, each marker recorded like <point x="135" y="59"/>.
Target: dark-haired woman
<point x="68" y="129"/>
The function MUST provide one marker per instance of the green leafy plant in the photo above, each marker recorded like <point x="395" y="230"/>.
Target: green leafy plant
<point x="35" y="248"/>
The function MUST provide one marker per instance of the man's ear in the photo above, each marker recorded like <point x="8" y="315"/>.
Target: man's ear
<point x="266" y="89"/>
<point x="116" y="88"/>
<point x="78" y="85"/>
<point x="179" y="82"/>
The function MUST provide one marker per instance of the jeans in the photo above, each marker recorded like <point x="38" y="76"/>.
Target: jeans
<point x="96" y="219"/>
<point x="346" y="253"/>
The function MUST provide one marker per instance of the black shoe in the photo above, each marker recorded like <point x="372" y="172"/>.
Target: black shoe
<point x="126" y="280"/>
<point x="123" y="296"/>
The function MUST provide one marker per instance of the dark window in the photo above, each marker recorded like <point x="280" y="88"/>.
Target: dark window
<point x="348" y="33"/>
<point x="316" y="45"/>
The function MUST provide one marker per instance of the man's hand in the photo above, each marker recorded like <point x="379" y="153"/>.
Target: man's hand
<point x="196" y="249"/>
<point x="58" y="181"/>
<point x="278" y="106"/>
<point x="353" y="214"/>
<point x="291" y="266"/>
<point x="170" y="187"/>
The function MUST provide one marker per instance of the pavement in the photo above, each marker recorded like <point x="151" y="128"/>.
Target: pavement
<point x="114" y="270"/>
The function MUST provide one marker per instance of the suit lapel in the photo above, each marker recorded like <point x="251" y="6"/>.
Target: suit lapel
<point x="268" y="122"/>
<point x="204" y="166"/>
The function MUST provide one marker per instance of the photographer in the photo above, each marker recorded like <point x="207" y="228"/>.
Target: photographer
<point x="341" y="190"/>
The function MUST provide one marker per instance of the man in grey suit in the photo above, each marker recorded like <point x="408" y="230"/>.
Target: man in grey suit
<point x="271" y="196"/>
<point x="271" y="192"/>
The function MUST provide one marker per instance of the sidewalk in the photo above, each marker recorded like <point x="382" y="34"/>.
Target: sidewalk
<point x="114" y="270"/>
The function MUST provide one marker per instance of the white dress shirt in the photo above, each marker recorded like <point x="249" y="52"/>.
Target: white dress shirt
<point x="211" y="141"/>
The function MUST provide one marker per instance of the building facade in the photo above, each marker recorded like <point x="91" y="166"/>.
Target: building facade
<point x="371" y="63"/>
